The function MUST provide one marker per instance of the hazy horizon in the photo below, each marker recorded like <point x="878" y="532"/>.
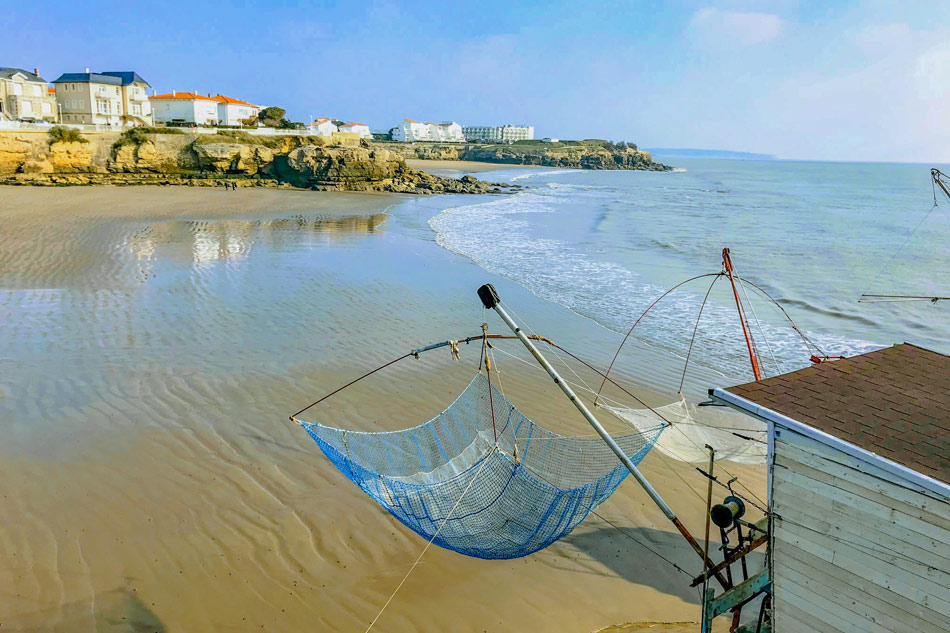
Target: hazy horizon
<point x="855" y="81"/>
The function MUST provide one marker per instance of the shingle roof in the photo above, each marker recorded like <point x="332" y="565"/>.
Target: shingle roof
<point x="894" y="402"/>
<point x="96" y="78"/>
<point x="127" y="77"/>
<point x="7" y="73"/>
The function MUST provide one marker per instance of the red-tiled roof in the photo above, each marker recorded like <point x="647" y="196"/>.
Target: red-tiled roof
<point x="232" y="100"/>
<point x="193" y="96"/>
<point x="351" y="124"/>
<point x="410" y="121"/>
<point x="187" y="96"/>
<point x="51" y="91"/>
<point x="894" y="402"/>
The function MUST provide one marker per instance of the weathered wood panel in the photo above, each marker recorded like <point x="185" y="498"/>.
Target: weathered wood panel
<point x="853" y="548"/>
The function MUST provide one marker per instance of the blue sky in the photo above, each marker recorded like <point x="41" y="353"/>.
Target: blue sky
<point x="851" y="80"/>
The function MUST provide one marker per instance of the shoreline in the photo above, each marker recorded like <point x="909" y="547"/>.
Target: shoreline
<point x="467" y="166"/>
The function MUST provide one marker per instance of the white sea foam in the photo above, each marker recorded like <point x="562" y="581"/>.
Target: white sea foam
<point x="545" y="172"/>
<point x="498" y="236"/>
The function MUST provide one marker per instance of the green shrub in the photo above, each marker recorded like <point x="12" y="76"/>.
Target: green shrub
<point x="138" y="135"/>
<point x="63" y="134"/>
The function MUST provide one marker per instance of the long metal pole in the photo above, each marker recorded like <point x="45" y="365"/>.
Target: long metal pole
<point x="490" y="299"/>
<point x="727" y="263"/>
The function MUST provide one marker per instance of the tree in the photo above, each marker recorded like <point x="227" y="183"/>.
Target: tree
<point x="272" y="116"/>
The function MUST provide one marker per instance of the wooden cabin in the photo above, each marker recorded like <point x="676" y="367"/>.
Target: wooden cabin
<point x="859" y="490"/>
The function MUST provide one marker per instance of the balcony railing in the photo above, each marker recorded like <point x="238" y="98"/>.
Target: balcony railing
<point x="108" y="93"/>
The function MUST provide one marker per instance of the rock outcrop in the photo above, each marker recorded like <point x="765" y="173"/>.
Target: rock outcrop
<point x="580" y="155"/>
<point x="144" y="157"/>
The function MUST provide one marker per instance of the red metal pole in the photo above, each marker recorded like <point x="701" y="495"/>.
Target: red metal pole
<point x="727" y="262"/>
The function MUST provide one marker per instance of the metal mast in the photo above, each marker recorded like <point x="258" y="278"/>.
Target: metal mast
<point x="491" y="300"/>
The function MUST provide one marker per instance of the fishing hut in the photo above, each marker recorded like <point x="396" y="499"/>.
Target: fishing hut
<point x="859" y="491"/>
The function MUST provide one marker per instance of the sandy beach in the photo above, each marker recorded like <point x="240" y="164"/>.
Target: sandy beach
<point x="156" y="339"/>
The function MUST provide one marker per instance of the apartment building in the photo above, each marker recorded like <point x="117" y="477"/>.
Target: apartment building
<point x="111" y="98"/>
<point x="25" y="96"/>
<point x="498" y="133"/>
<point x="410" y="131"/>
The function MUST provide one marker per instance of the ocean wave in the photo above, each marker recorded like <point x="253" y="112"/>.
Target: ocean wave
<point x="546" y="172"/>
<point x="499" y="237"/>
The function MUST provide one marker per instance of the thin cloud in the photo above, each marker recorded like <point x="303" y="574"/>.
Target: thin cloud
<point x="711" y="25"/>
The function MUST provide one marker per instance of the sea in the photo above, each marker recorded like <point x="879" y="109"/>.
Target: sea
<point x="149" y="362"/>
<point x="808" y="239"/>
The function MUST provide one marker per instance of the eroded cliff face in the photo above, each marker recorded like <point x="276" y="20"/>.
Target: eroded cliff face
<point x="207" y="160"/>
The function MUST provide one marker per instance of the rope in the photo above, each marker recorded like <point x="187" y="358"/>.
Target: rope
<point x="352" y="382"/>
<point x="689" y="352"/>
<point x="902" y="246"/>
<point x="640" y="318"/>
<point x="426" y="548"/>
<point x="768" y="345"/>
<point x="808" y="342"/>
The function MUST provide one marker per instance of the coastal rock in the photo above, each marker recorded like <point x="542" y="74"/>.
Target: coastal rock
<point x="70" y="157"/>
<point x="14" y="152"/>
<point x="351" y="168"/>
<point x="150" y="157"/>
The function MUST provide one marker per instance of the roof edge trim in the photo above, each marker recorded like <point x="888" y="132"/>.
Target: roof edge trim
<point x="917" y="479"/>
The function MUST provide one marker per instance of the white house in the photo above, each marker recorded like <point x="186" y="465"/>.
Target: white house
<point x="449" y="132"/>
<point x="498" y="133"/>
<point x="236" y="112"/>
<point x="322" y="126"/>
<point x="858" y="491"/>
<point x="197" y="109"/>
<point x="410" y="131"/>
<point x="356" y="128"/>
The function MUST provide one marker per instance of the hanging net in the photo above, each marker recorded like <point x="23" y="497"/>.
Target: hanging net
<point x="735" y="436"/>
<point x="449" y="480"/>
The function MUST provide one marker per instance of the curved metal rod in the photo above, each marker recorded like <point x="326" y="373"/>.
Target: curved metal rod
<point x="637" y="322"/>
<point x="415" y="353"/>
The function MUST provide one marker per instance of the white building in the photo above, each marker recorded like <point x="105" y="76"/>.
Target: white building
<point x="197" y="109"/>
<point x="323" y="126"/>
<point x="858" y="490"/>
<point x="356" y="128"/>
<point x="410" y="131"/>
<point x="498" y="133"/>
<point x="236" y="112"/>
<point x="110" y="98"/>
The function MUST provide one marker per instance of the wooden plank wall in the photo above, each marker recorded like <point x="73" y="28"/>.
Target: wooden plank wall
<point x="853" y="549"/>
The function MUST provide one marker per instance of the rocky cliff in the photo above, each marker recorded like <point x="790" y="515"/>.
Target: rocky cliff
<point x="592" y="154"/>
<point x="146" y="157"/>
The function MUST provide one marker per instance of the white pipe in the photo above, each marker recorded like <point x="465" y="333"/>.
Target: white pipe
<point x="654" y="495"/>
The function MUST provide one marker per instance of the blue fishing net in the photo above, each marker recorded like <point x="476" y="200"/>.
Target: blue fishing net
<point x="449" y="478"/>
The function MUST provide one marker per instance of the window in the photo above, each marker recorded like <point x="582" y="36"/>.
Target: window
<point x="36" y="91"/>
<point x="27" y="107"/>
<point x="17" y="89"/>
<point x="47" y="109"/>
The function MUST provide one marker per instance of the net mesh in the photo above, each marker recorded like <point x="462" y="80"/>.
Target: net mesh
<point x="735" y="436"/>
<point x="530" y="492"/>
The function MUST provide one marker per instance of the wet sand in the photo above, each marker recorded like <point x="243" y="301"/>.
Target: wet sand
<point x="155" y="342"/>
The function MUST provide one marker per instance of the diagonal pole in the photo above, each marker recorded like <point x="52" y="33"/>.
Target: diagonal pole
<point x="491" y="300"/>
